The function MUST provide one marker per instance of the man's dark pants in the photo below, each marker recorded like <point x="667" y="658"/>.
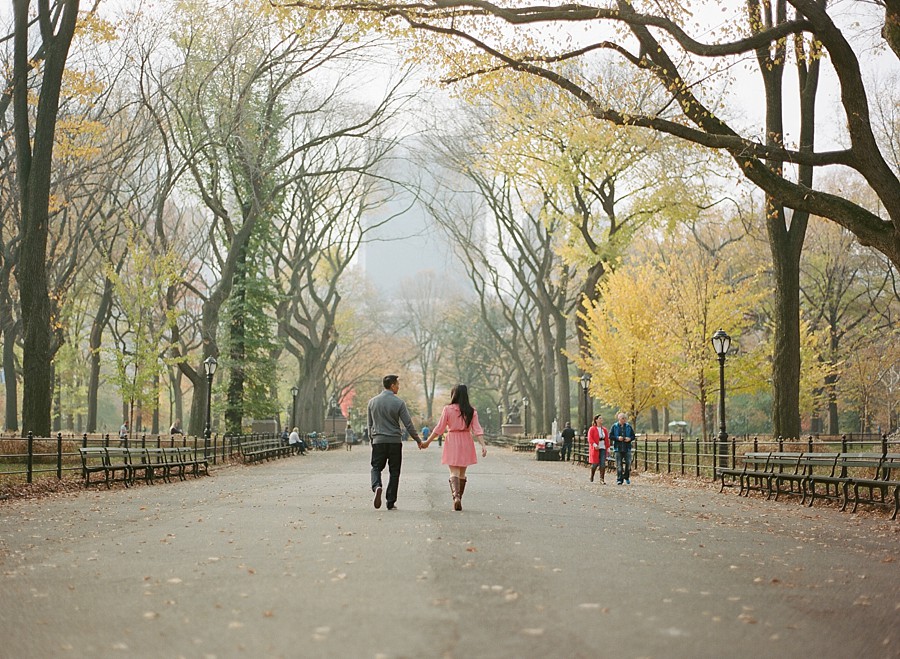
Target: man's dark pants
<point x="392" y="456"/>
<point x="623" y="465"/>
<point x="566" y="450"/>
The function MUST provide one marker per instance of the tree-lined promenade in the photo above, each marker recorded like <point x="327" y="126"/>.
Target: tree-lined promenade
<point x="187" y="186"/>
<point x="288" y="558"/>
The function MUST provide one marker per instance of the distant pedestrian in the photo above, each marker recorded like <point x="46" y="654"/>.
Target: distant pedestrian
<point x="175" y="428"/>
<point x="348" y="438"/>
<point x="460" y="421"/>
<point x="385" y="413"/>
<point x="568" y="437"/>
<point x="123" y="434"/>
<point x="425" y="432"/>
<point x="622" y="436"/>
<point x="598" y="447"/>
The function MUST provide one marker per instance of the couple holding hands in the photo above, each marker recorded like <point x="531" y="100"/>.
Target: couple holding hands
<point x="459" y="420"/>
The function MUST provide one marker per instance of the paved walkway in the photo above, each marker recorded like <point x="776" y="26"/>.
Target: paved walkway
<point x="289" y="559"/>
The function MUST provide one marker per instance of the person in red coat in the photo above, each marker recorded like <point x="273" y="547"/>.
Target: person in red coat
<point x="598" y="447"/>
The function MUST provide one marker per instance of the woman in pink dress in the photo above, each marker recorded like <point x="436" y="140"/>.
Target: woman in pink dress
<point x="598" y="447"/>
<point x="460" y="421"/>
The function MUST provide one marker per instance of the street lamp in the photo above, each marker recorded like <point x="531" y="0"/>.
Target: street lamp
<point x="585" y="386"/>
<point x="331" y="405"/>
<point x="294" y="392"/>
<point x="209" y="365"/>
<point x="525" y="405"/>
<point x="721" y="343"/>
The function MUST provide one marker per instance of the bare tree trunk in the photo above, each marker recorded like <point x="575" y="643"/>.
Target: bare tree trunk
<point x="10" y="331"/>
<point x="34" y="157"/>
<point x="104" y="307"/>
<point x="154" y="427"/>
<point x="177" y="397"/>
<point x="563" y="385"/>
<point x="786" y="237"/>
<point x="234" y="412"/>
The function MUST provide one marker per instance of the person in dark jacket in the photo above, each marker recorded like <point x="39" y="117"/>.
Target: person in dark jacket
<point x="568" y="437"/>
<point x="621" y="434"/>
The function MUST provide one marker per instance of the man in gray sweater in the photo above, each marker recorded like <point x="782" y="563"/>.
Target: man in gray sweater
<point x="386" y="412"/>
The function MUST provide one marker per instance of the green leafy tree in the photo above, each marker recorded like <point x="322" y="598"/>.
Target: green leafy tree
<point x="139" y="358"/>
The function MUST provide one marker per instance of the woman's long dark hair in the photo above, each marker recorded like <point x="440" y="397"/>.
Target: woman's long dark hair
<point x="459" y="395"/>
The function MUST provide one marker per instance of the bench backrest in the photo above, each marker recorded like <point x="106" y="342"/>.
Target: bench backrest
<point x="92" y="456"/>
<point x="757" y="459"/>
<point x="154" y="455"/>
<point x="890" y="467"/>
<point x="118" y="456"/>
<point x="255" y="444"/>
<point x="173" y="455"/>
<point x="857" y="461"/>
<point x="820" y="463"/>
<point x="785" y="462"/>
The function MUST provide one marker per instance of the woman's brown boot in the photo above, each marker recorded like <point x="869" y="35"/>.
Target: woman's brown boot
<point x="462" y="489"/>
<point x="454" y="490"/>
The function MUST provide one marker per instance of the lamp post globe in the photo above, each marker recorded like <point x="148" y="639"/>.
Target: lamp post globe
<point x="209" y="366"/>
<point x="721" y="343"/>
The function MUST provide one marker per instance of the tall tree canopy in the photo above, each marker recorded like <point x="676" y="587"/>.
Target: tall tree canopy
<point x="692" y="61"/>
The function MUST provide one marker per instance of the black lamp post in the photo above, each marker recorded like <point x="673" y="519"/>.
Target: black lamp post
<point x="721" y="343"/>
<point x="525" y="405"/>
<point x="331" y="405"/>
<point x="294" y="392"/>
<point x="209" y="366"/>
<point x="585" y="387"/>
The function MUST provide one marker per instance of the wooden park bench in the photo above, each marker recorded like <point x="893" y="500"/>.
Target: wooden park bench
<point x="788" y="472"/>
<point x="105" y="460"/>
<point x="194" y="461"/>
<point x="886" y="476"/>
<point x="752" y="473"/>
<point x="263" y="449"/>
<point x="825" y="470"/>
<point x="183" y="460"/>
<point x="126" y="463"/>
<point x="871" y="476"/>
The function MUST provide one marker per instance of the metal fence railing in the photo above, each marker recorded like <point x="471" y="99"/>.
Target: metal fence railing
<point x="41" y="456"/>
<point x="674" y="454"/>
